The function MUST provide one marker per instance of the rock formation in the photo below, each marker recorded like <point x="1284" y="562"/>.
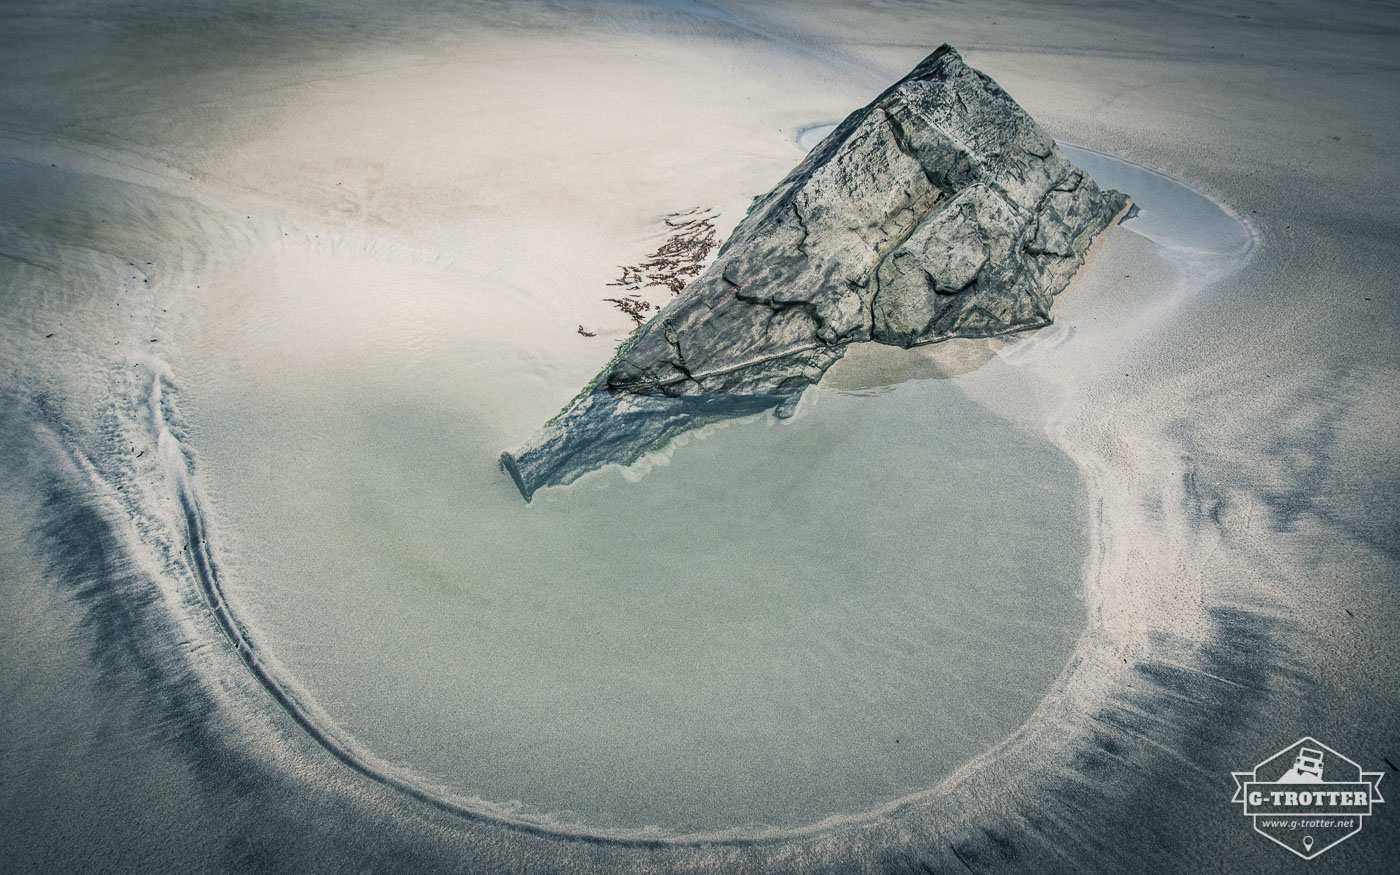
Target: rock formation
<point x="940" y="210"/>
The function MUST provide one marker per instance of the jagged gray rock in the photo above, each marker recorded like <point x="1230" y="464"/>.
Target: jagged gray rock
<point x="940" y="210"/>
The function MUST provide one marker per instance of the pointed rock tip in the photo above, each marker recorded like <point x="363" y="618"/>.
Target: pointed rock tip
<point x="939" y="54"/>
<point x="509" y="465"/>
<point x="935" y="66"/>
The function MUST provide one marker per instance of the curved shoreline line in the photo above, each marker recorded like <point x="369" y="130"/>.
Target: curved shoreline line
<point x="204" y="568"/>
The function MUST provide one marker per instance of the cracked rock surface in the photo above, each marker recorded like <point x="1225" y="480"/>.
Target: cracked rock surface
<point x="939" y="210"/>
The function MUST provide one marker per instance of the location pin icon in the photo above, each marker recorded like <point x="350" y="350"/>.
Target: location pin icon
<point x="1307" y="843"/>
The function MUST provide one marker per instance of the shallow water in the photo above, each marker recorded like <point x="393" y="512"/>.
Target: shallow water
<point x="808" y="137"/>
<point x="1167" y="212"/>
<point x="772" y="624"/>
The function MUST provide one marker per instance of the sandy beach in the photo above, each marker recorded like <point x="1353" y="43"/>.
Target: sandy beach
<point x="278" y="284"/>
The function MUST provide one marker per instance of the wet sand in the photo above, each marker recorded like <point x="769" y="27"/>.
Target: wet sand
<point x="1237" y="434"/>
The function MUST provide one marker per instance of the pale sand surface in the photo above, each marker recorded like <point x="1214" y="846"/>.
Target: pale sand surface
<point x="1236" y="428"/>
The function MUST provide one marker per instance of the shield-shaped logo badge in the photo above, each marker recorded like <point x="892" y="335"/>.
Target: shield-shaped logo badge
<point x="1307" y="797"/>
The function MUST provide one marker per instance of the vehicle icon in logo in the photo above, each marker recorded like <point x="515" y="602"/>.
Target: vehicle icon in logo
<point x="1307" y="797"/>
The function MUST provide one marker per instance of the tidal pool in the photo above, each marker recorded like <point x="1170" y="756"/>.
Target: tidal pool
<point x="767" y="625"/>
<point x="773" y="624"/>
